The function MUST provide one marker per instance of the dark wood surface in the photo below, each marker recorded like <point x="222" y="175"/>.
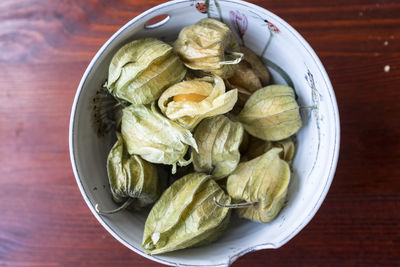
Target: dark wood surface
<point x="45" y="47"/>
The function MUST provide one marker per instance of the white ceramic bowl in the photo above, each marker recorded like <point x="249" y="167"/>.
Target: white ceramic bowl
<point x="290" y="59"/>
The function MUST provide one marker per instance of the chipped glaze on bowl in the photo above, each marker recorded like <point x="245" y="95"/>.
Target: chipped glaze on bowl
<point x="291" y="61"/>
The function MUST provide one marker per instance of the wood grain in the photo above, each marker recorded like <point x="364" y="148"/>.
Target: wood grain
<point x="45" y="47"/>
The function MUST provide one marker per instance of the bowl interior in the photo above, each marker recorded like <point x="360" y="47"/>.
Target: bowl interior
<point x="290" y="60"/>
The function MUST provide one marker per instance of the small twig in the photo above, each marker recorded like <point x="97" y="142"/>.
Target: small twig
<point x="310" y="107"/>
<point x="122" y="207"/>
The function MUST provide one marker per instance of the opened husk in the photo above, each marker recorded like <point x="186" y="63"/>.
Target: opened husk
<point x="141" y="70"/>
<point x="186" y="215"/>
<point x="219" y="139"/>
<point x="209" y="46"/>
<point x="271" y="113"/>
<point x="262" y="181"/>
<point x="190" y="113"/>
<point x="154" y="137"/>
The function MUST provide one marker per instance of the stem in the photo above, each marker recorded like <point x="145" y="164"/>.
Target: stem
<point x="310" y="107"/>
<point x="234" y="206"/>
<point x="173" y="171"/>
<point x="122" y="207"/>
<point x="184" y="162"/>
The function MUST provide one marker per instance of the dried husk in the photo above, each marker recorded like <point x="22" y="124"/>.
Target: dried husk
<point x="209" y="46"/>
<point x="106" y="112"/>
<point x="141" y="70"/>
<point x="245" y="82"/>
<point x="257" y="65"/>
<point x="243" y="96"/>
<point x="257" y="147"/>
<point x="262" y="181"/>
<point x="188" y="113"/>
<point x="271" y="113"/>
<point x="245" y="78"/>
<point x="288" y="149"/>
<point x="249" y="76"/>
<point x="186" y="215"/>
<point x="219" y="139"/>
<point x="130" y="176"/>
<point x="154" y="137"/>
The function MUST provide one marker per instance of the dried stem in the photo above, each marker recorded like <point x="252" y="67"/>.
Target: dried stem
<point x="234" y="206"/>
<point x="122" y="207"/>
<point x="310" y="107"/>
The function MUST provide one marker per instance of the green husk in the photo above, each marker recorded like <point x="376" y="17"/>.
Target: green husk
<point x="154" y="137"/>
<point x="219" y="139"/>
<point x="263" y="182"/>
<point x="141" y="70"/>
<point x="186" y="215"/>
<point x="271" y="113"/>
<point x="131" y="178"/>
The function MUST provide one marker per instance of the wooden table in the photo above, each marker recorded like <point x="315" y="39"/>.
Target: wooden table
<point x="45" y="47"/>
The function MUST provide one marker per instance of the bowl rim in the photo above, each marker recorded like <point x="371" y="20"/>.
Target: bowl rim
<point x="232" y="258"/>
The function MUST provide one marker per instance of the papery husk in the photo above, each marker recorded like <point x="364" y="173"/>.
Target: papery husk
<point x="243" y="96"/>
<point x="257" y="66"/>
<point x="262" y="181"/>
<point x="209" y="46"/>
<point x="257" y="147"/>
<point x="271" y="113"/>
<point x="244" y="77"/>
<point x="218" y="140"/>
<point x="249" y="76"/>
<point x="188" y="113"/>
<point x="130" y="176"/>
<point x="141" y="70"/>
<point x="154" y="137"/>
<point x="288" y="149"/>
<point x="186" y="215"/>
